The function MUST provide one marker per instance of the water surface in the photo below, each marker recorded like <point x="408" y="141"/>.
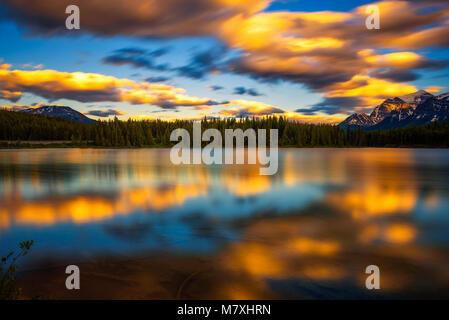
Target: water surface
<point x="202" y="231"/>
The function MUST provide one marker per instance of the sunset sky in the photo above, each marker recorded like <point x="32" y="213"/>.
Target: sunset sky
<point x="312" y="61"/>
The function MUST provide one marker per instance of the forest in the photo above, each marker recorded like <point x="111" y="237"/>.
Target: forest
<point x="17" y="128"/>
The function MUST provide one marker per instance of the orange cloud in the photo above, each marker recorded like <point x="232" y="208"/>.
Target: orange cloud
<point x="16" y="107"/>
<point x="323" y="119"/>
<point x="251" y="108"/>
<point x="92" y="87"/>
<point x="371" y="90"/>
<point x="258" y="109"/>
<point x="143" y="18"/>
<point x="329" y="52"/>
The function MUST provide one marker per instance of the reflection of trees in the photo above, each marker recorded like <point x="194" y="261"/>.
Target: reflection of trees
<point x="309" y="254"/>
<point x="366" y="217"/>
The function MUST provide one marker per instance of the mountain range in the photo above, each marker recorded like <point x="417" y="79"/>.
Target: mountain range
<point x="60" y="112"/>
<point x="414" y="109"/>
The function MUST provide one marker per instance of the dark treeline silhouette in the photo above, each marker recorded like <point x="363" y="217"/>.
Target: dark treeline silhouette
<point x="17" y="128"/>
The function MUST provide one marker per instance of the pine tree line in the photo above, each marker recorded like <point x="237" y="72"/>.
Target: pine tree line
<point x="16" y="126"/>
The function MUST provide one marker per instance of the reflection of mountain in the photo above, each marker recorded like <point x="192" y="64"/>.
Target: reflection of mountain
<point x="65" y="186"/>
<point x="47" y="189"/>
<point x="415" y="109"/>
<point x="307" y="232"/>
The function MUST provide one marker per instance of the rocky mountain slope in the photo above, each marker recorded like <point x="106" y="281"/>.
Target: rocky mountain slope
<point x="61" y="112"/>
<point x="414" y="109"/>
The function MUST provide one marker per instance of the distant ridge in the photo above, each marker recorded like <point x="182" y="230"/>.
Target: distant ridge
<point x="414" y="109"/>
<point x="60" y="112"/>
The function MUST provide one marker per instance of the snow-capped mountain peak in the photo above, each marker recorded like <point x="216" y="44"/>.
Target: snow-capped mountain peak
<point x="410" y="110"/>
<point x="60" y="112"/>
<point x="443" y="96"/>
<point x="416" y="97"/>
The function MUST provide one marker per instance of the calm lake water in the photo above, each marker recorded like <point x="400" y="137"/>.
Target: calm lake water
<point x="201" y="231"/>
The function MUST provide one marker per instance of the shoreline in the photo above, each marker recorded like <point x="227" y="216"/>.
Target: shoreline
<point x="64" y="146"/>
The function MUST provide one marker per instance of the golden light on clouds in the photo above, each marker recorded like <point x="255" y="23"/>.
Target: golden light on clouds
<point x="300" y="45"/>
<point x="92" y="87"/>
<point x="328" y="52"/>
<point x="403" y="60"/>
<point x="372" y="91"/>
<point x="434" y="89"/>
<point x="323" y="119"/>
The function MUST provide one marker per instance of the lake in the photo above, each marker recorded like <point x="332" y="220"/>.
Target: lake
<point x="141" y="228"/>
